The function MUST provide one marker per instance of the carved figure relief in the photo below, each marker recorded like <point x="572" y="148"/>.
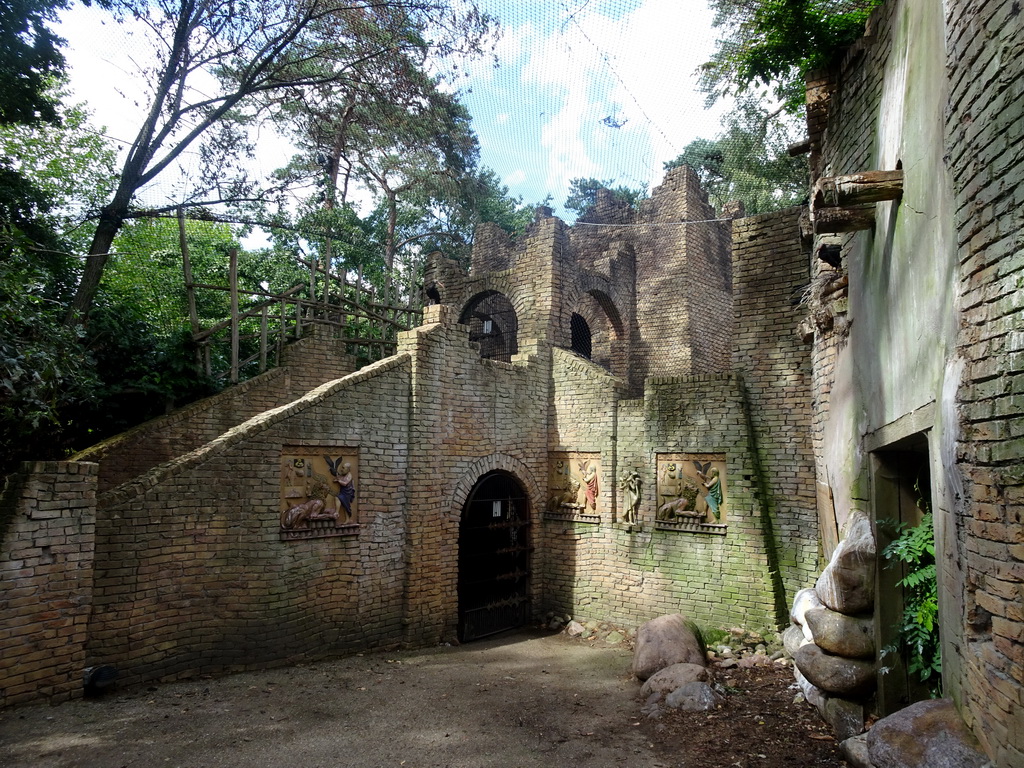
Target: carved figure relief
<point x="630" y="485"/>
<point x="690" y="488"/>
<point x="574" y="485"/>
<point x="316" y="487"/>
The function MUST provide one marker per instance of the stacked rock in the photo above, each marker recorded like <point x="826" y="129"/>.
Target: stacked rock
<point x="831" y="637"/>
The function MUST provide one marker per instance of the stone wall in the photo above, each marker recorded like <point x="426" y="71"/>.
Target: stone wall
<point x="47" y="521"/>
<point x="984" y="125"/>
<point x="306" y="364"/>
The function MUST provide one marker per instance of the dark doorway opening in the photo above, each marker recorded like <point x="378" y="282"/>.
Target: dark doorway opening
<point x="901" y="496"/>
<point x="581" y="338"/>
<point x="494" y="558"/>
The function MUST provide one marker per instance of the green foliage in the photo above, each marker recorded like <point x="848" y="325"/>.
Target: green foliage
<point x="775" y="43"/>
<point x="29" y="57"/>
<point x="45" y="377"/>
<point x="583" y="194"/>
<point x="69" y="164"/>
<point x="748" y="161"/>
<point x="919" y="627"/>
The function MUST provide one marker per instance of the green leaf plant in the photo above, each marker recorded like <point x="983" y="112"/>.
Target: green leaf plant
<point x="919" y="626"/>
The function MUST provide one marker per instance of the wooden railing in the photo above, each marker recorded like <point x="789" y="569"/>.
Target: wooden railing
<point x="268" y="321"/>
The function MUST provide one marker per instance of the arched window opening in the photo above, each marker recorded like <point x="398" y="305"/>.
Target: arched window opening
<point x="581" y="338"/>
<point x="493" y="325"/>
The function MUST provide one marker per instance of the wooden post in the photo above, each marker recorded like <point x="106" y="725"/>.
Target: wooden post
<point x="190" y="289"/>
<point x="837" y="220"/>
<point x="263" y="338"/>
<point x="282" y="335"/>
<point x="233" y="280"/>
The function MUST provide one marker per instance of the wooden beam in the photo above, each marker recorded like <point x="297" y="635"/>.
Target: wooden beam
<point x="856" y="188"/>
<point x="829" y="221"/>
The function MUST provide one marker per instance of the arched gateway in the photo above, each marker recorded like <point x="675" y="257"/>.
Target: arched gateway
<point x="494" y="557"/>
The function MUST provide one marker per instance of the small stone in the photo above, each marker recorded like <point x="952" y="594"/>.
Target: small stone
<point x="574" y="629"/>
<point x="840" y="634"/>
<point x="614" y="638"/>
<point x="669" y="679"/>
<point x="855" y="751"/>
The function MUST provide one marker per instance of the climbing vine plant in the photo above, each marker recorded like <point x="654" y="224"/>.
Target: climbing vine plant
<point x="919" y="627"/>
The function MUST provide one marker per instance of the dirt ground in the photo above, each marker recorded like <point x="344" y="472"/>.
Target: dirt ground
<point x="516" y="701"/>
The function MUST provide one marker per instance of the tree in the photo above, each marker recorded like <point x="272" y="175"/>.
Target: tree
<point x="749" y="161"/>
<point x="254" y="50"/>
<point x="583" y="194"/>
<point x="776" y="42"/>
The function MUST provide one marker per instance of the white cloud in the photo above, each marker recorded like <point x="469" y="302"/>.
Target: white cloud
<point x="518" y="176"/>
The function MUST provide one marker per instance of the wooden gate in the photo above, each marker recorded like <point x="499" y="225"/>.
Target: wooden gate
<point x="494" y="558"/>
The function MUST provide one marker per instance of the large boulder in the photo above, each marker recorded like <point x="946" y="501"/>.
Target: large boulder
<point x="665" y="641"/>
<point x="694" y="697"/>
<point x="840" y="634"/>
<point x="668" y="679"/>
<point x="846" y="717"/>
<point x="847" y="584"/>
<point x="929" y="734"/>
<point x="805" y="600"/>
<point x="834" y="674"/>
<point x="812" y="695"/>
<point x="792" y="639"/>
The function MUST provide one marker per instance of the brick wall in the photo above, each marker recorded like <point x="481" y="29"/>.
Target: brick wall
<point x="770" y="275"/>
<point x="46" y="580"/>
<point x="985" y="136"/>
<point x="192" y="575"/>
<point x="471" y="416"/>
<point x="629" y="574"/>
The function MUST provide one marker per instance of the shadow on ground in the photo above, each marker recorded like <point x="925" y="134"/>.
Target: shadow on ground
<point x="518" y="700"/>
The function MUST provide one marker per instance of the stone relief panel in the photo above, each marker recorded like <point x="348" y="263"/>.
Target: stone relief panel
<point x="691" y="491"/>
<point x="318" y="492"/>
<point x="574" y="486"/>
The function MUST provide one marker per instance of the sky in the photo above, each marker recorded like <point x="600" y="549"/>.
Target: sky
<point x="583" y="88"/>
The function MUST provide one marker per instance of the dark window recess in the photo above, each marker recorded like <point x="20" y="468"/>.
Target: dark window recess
<point x="581" y="339"/>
